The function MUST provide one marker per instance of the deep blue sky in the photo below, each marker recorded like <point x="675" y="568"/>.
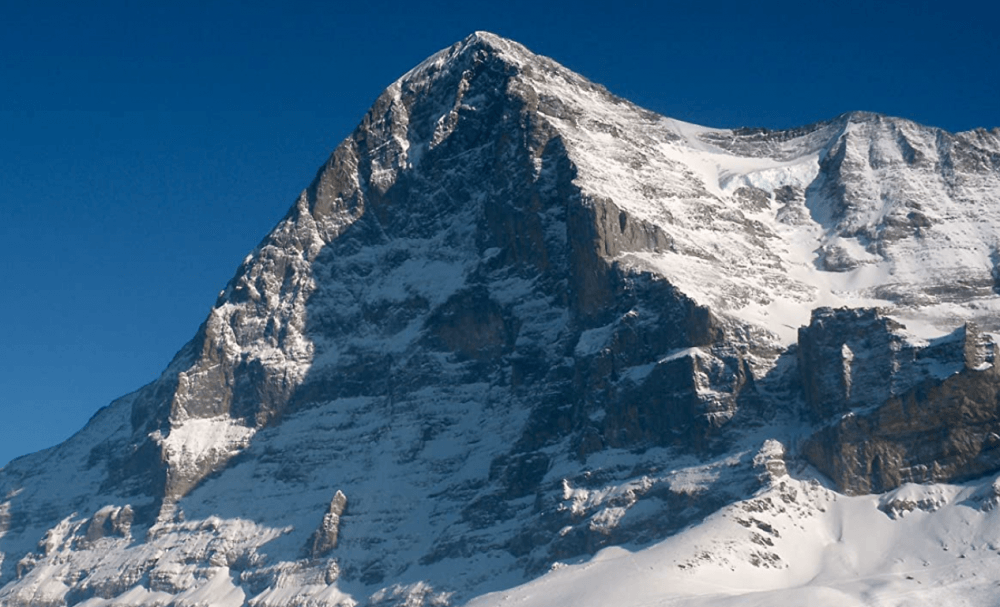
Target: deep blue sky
<point x="145" y="150"/>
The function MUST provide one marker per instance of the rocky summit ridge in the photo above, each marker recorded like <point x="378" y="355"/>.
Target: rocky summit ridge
<point x="515" y="319"/>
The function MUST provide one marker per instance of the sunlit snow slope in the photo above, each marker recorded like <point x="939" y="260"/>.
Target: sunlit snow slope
<point x="799" y="543"/>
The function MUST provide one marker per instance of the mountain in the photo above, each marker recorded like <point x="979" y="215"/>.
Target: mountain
<point x="516" y="320"/>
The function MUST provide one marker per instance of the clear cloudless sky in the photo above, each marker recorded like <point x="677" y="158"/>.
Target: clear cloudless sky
<point x="147" y="146"/>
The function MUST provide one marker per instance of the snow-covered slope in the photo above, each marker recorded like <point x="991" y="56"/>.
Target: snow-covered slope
<point x="859" y="211"/>
<point x="515" y="320"/>
<point x="799" y="543"/>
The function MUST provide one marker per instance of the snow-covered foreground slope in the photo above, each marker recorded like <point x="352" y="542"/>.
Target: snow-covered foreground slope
<point x="795" y="542"/>
<point x="516" y="320"/>
<point x="798" y="543"/>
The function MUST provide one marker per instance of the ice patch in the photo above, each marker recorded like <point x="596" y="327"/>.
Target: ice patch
<point x="194" y="441"/>
<point x="593" y="341"/>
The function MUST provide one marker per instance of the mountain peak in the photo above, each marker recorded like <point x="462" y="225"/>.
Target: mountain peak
<point x="476" y="44"/>
<point x="489" y="39"/>
<point x="484" y="48"/>
<point x="490" y="42"/>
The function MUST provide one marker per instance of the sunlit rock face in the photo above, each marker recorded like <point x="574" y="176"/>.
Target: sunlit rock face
<point x="516" y="319"/>
<point x="904" y="413"/>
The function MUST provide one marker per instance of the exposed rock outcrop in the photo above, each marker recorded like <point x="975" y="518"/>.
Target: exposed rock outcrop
<point x="938" y="432"/>
<point x="853" y="357"/>
<point x="110" y="521"/>
<point x="894" y="412"/>
<point x="324" y="539"/>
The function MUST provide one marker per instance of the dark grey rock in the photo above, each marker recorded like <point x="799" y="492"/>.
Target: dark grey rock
<point x="324" y="539"/>
<point x="940" y="432"/>
<point x="894" y="412"/>
<point x="847" y="359"/>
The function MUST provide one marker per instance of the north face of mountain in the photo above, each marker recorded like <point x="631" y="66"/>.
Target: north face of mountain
<point x="515" y="319"/>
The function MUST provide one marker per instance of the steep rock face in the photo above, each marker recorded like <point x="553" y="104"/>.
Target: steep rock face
<point x="947" y="430"/>
<point x="852" y="358"/>
<point x="515" y="319"/>
<point x="847" y="359"/>
<point x="893" y="411"/>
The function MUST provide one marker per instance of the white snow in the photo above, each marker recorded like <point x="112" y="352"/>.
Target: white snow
<point x="763" y="265"/>
<point x="194" y="441"/>
<point x="797" y="544"/>
<point x="594" y="340"/>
